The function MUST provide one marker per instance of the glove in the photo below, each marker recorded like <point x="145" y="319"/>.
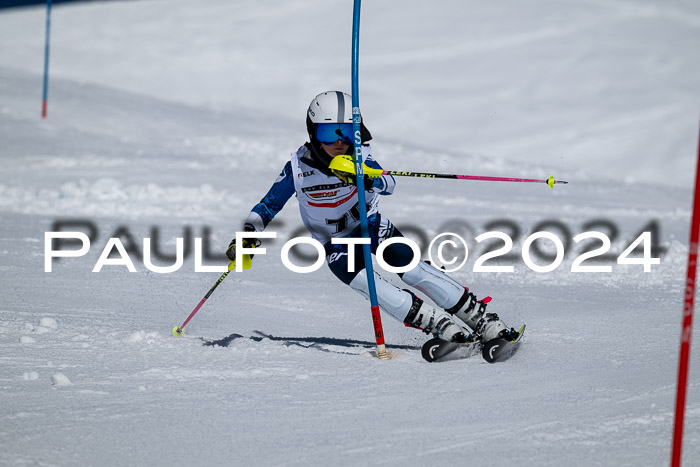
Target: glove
<point x="350" y="179"/>
<point x="247" y="243"/>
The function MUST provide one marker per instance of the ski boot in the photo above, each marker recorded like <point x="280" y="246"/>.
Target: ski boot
<point x="434" y="321"/>
<point x="473" y="313"/>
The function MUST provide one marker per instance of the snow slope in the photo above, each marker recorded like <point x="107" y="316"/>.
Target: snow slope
<point x="607" y="86"/>
<point x="89" y="373"/>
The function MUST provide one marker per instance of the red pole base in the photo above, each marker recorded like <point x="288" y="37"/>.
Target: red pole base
<point x="378" y="331"/>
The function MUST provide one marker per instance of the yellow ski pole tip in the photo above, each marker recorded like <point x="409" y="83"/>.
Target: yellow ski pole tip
<point x="177" y="332"/>
<point x="550" y="182"/>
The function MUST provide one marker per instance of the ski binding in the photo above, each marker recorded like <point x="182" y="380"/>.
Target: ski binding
<point x="499" y="349"/>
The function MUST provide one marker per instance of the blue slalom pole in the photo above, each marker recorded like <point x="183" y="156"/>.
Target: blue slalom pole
<point x="44" y="101"/>
<point x="362" y="202"/>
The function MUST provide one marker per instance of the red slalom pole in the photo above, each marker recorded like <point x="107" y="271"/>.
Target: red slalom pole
<point x="687" y="329"/>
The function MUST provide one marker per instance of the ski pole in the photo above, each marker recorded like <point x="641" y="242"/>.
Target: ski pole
<point x="344" y="164"/>
<point x="177" y="330"/>
<point x="550" y="181"/>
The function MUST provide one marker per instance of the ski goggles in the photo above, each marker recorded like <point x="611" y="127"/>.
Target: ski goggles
<point x="329" y="133"/>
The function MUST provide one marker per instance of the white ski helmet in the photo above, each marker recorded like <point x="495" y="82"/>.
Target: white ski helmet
<point x="330" y="107"/>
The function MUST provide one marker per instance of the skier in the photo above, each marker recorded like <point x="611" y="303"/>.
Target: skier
<point x="328" y="203"/>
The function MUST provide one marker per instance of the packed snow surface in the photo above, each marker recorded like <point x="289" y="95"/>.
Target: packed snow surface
<point x="171" y="119"/>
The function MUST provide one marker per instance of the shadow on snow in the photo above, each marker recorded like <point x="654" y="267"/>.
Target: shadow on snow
<point x="319" y="343"/>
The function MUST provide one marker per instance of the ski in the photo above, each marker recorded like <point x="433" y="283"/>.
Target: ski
<point x="500" y="350"/>
<point x="495" y="350"/>
<point x="437" y="349"/>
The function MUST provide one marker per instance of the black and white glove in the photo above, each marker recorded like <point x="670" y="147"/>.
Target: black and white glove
<point x="247" y="243"/>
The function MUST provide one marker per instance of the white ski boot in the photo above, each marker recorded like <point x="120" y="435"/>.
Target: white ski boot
<point x="411" y="310"/>
<point x="473" y="313"/>
<point x="434" y="321"/>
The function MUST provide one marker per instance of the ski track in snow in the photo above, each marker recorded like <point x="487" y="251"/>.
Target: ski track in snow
<point x="286" y="375"/>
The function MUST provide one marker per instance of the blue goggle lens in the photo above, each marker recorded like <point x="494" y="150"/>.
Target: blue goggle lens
<point x="329" y="133"/>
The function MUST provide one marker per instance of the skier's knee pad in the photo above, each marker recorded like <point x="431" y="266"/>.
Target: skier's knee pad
<point x="435" y="284"/>
<point x="391" y="299"/>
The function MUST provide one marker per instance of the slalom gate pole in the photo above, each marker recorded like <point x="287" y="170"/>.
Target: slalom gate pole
<point x="687" y="326"/>
<point x="177" y="330"/>
<point x="357" y="143"/>
<point x="45" y="99"/>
